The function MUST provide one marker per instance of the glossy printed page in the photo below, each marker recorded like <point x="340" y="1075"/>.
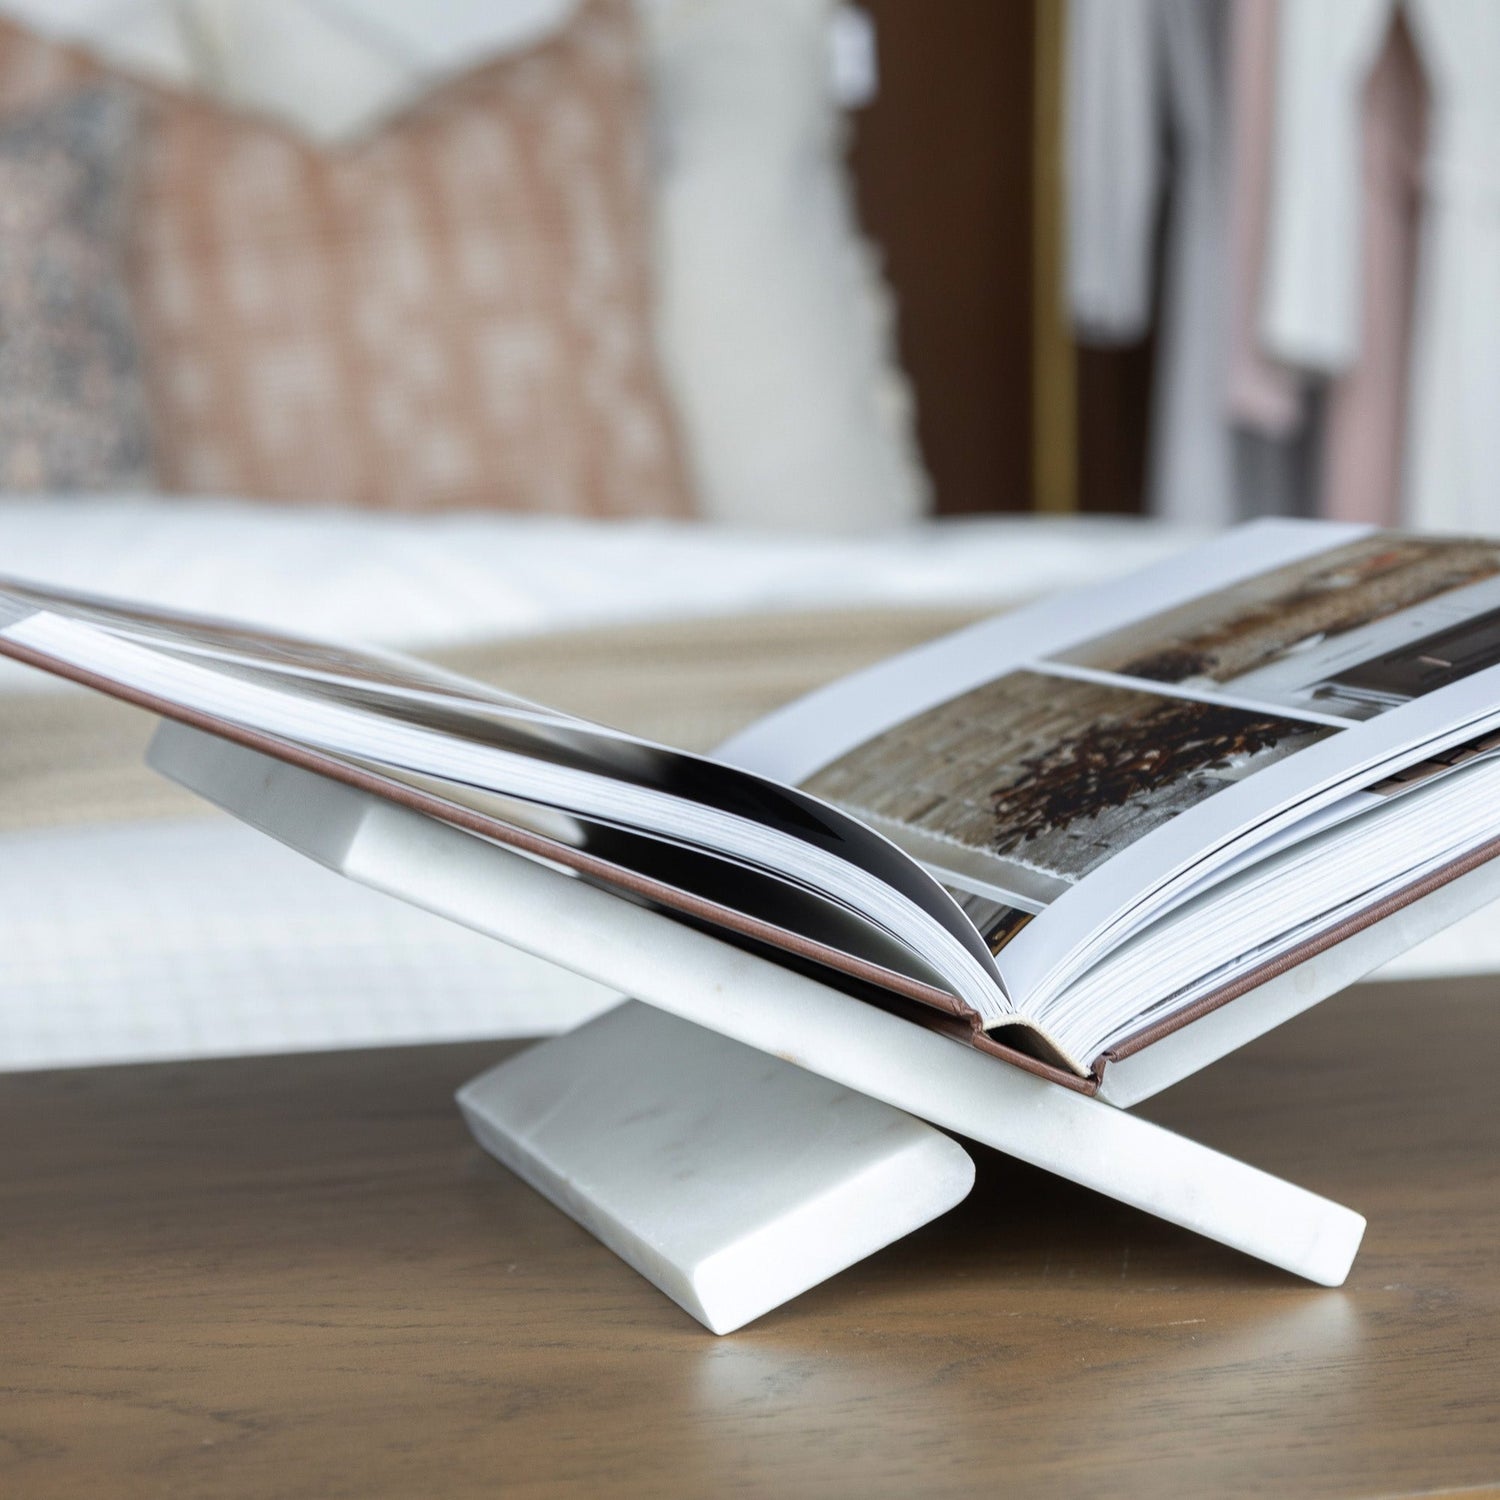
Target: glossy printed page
<point x="1069" y="770"/>
<point x="365" y="689"/>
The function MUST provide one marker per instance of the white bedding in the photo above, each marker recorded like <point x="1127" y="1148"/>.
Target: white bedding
<point x="415" y="581"/>
<point x="132" y="941"/>
<point x="157" y="940"/>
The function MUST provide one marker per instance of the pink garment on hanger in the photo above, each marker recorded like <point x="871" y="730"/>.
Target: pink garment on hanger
<point x="1366" y="419"/>
<point x="1264" y="395"/>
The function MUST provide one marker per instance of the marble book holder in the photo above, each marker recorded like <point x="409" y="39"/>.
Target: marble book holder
<point x="672" y="1165"/>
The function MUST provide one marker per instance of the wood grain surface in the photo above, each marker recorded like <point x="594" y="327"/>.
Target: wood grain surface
<point x="298" y="1277"/>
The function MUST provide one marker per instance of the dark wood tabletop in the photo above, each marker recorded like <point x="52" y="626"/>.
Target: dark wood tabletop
<point x="297" y="1276"/>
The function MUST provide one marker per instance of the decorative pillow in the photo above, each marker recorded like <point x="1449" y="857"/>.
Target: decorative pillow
<point x="331" y="71"/>
<point x="72" y="403"/>
<point x="775" y="326"/>
<point x="454" y="312"/>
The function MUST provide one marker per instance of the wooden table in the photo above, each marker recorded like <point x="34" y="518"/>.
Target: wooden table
<point x="297" y="1276"/>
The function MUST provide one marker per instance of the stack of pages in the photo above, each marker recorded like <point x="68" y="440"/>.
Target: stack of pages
<point x="1058" y="835"/>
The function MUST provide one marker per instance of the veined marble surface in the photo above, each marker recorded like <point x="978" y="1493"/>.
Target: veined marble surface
<point x="729" y="1178"/>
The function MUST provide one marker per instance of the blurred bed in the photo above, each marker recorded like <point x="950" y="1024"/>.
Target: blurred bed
<point x="621" y="430"/>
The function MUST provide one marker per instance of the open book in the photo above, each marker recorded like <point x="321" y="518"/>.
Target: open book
<point x="1057" y="835"/>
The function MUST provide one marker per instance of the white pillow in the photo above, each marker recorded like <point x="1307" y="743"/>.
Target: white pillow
<point x="331" y="71"/>
<point x="771" y="325"/>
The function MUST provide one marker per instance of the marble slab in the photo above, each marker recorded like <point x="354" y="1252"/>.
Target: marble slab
<point x="730" y="1179"/>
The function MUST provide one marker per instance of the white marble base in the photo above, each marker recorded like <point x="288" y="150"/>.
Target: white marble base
<point x="729" y="1178"/>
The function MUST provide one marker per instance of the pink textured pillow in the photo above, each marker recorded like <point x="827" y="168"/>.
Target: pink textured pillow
<point x="454" y="312"/>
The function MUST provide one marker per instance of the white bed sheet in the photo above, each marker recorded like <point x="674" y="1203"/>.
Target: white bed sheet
<point x="415" y="581"/>
<point x="203" y="938"/>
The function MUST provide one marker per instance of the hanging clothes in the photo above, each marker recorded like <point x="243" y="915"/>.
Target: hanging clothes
<point x="1453" y="474"/>
<point x="1265" y="395"/>
<point x="1113" y="164"/>
<point x="1054" y="378"/>
<point x="1273" y="415"/>
<point x="1342" y="238"/>
<point x="1147" y="83"/>
<point x="1366" y="412"/>
<point x="1318" y="311"/>
<point x="1310" y="300"/>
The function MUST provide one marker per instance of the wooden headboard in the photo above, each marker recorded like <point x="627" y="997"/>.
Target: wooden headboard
<point x="945" y="167"/>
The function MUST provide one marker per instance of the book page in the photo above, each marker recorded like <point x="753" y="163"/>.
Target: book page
<point x="412" y="721"/>
<point x="1059" y="769"/>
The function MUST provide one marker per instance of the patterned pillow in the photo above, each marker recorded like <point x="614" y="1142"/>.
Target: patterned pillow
<point x="455" y="311"/>
<point x="72" y="402"/>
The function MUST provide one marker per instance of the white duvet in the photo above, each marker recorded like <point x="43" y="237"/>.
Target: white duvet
<point x="121" y="943"/>
<point x="415" y="581"/>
